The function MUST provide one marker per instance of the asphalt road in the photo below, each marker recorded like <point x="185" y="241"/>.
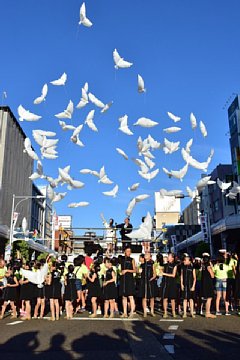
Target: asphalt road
<point x="152" y="338"/>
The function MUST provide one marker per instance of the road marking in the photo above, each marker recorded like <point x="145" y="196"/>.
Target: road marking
<point x="170" y="349"/>
<point x="168" y="336"/>
<point x="173" y="327"/>
<point x="171" y="320"/>
<point x="104" y="319"/>
<point x="15" y="322"/>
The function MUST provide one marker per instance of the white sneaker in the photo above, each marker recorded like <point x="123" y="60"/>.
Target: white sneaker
<point x="148" y="311"/>
<point x="99" y="312"/>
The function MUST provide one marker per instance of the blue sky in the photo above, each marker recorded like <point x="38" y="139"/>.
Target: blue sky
<point x="188" y="53"/>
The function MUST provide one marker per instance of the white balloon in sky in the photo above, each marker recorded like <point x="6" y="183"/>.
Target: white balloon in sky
<point x="203" y="129"/>
<point x="28" y="149"/>
<point x="96" y="101"/>
<point x="149" y="176"/>
<point x="67" y="113"/>
<point x="61" y="81"/>
<point x="121" y="152"/>
<point x="144" y="231"/>
<point x="172" y="129"/>
<point x="113" y="192"/>
<point x="89" y="121"/>
<point x="106" y="107"/>
<point x="141" y="197"/>
<point x="178" y="174"/>
<point x="196" y="164"/>
<point x="134" y="187"/>
<point x="170" y="146"/>
<point x="193" y="121"/>
<point x="84" y="100"/>
<point x="153" y="143"/>
<point x="130" y="207"/>
<point x="103" y="178"/>
<point x="124" y="125"/>
<point x="188" y="146"/>
<point x="119" y="61"/>
<point x="145" y="122"/>
<point x="222" y="185"/>
<point x="203" y="182"/>
<point x="66" y="127"/>
<point x="141" y="86"/>
<point x="58" y="197"/>
<point x="27" y="115"/>
<point x="79" y="204"/>
<point x="173" y="117"/>
<point x="42" y="98"/>
<point x="149" y="162"/>
<point x="83" y="17"/>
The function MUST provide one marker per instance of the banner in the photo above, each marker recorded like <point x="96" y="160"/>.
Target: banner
<point x="174" y="242"/>
<point x="204" y="227"/>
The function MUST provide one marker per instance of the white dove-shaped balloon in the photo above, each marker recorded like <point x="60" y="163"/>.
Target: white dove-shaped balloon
<point x="121" y="152"/>
<point x="83" y="17"/>
<point x="130" y="207"/>
<point x="66" y="127"/>
<point x="27" y="115"/>
<point x="67" y="113"/>
<point x="193" y="121"/>
<point x="149" y="176"/>
<point x="144" y="231"/>
<point x="222" y="185"/>
<point x="96" y="101"/>
<point x="141" y="197"/>
<point x="134" y="187"/>
<point x="84" y="100"/>
<point x="203" y="128"/>
<point x="173" y="117"/>
<point x="145" y="122"/>
<point x="172" y="129"/>
<point x="78" y="204"/>
<point x="141" y="86"/>
<point x="113" y="192"/>
<point x="42" y="98"/>
<point x="28" y="149"/>
<point x="89" y="121"/>
<point x="61" y="81"/>
<point x="203" y="182"/>
<point x="119" y="61"/>
<point x="124" y="125"/>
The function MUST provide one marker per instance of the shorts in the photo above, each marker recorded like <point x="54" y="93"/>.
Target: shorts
<point x="78" y="285"/>
<point x="221" y="285"/>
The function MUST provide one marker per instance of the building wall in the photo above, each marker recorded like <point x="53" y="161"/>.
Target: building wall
<point x="166" y="218"/>
<point x="234" y="129"/>
<point x="213" y="201"/>
<point x="190" y="214"/>
<point x="15" y="168"/>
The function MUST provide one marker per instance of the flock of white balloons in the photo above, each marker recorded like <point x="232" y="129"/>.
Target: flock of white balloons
<point x="145" y="147"/>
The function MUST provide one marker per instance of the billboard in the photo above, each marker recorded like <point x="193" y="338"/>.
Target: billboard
<point x="166" y="204"/>
<point x="63" y="221"/>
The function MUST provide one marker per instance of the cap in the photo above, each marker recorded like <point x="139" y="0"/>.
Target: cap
<point x="206" y="254"/>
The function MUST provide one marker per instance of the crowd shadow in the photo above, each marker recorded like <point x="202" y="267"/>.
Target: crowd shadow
<point x="189" y="343"/>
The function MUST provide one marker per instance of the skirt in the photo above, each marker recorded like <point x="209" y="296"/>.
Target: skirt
<point x="27" y="291"/>
<point x="127" y="285"/>
<point x="110" y="291"/>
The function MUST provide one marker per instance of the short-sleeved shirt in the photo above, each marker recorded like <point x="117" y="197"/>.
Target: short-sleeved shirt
<point x="221" y="274"/>
<point x="81" y="272"/>
<point x="232" y="264"/>
<point x="3" y="272"/>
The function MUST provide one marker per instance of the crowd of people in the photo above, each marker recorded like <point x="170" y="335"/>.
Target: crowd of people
<point x="119" y="286"/>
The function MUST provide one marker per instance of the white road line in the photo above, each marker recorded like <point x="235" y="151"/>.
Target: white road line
<point x="15" y="322"/>
<point x="170" y="349"/>
<point x="173" y="327"/>
<point x="168" y="336"/>
<point x="171" y="320"/>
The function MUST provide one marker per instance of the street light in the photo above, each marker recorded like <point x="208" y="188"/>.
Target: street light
<point x="14" y="208"/>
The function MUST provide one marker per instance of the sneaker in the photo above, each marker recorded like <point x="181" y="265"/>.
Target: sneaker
<point x="148" y="311"/>
<point x="165" y="316"/>
<point x="227" y="314"/>
<point x="218" y="313"/>
<point x="99" y="312"/>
